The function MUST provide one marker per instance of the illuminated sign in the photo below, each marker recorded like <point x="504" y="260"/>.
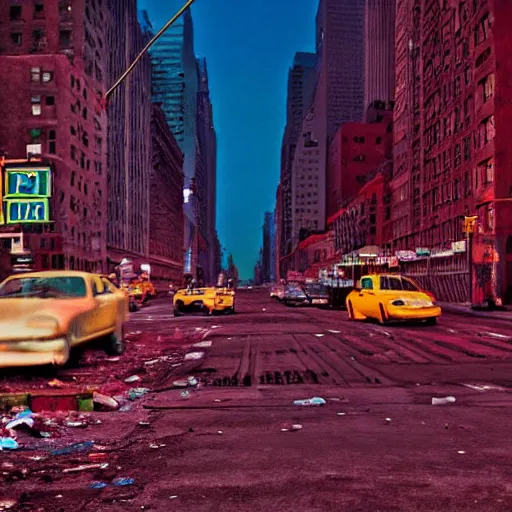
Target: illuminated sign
<point x="27" y="182"/>
<point x="2" y="221"/>
<point x="27" y="211"/>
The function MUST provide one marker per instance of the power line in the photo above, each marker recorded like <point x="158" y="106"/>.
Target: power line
<point x="147" y="47"/>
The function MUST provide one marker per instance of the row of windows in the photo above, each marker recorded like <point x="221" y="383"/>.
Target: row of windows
<point x="39" y="42"/>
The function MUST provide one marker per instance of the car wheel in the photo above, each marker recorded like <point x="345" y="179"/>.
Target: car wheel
<point x="114" y="343"/>
<point x="133" y="308"/>
<point x="431" y="321"/>
<point x="382" y="315"/>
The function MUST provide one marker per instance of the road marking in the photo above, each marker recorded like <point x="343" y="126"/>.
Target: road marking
<point x="334" y="332"/>
<point x="486" y="387"/>
<point x="497" y="335"/>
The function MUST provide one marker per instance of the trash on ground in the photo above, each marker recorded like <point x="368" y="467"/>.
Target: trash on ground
<point x="144" y="423"/>
<point x="341" y="414"/>
<point x="98" y="485"/>
<point x="112" y="359"/>
<point x="7" y="504"/>
<point x="136" y="393"/>
<point x="443" y="401"/>
<point x="203" y="344"/>
<point x="123" y="481"/>
<point x="74" y="448"/>
<point x="185" y="394"/>
<point x="133" y="378"/>
<point x="173" y="497"/>
<point x="291" y="428"/>
<point x="85" y="467"/>
<point x="105" y="401"/>
<point x="154" y="446"/>
<point x="316" y="400"/>
<point x="220" y="432"/>
<point x="56" y="383"/>
<point x="193" y="356"/>
<point x="319" y="335"/>
<point x="76" y="424"/>
<point x="8" y="443"/>
<point x="98" y="456"/>
<point x="334" y="332"/>
<point x="125" y="408"/>
<point x="21" y="420"/>
<point x="387" y="420"/>
<point x="461" y="452"/>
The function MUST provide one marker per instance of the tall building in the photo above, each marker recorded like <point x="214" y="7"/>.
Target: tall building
<point x="339" y="94"/>
<point x="129" y="130"/>
<point x="338" y="98"/>
<point x="53" y="80"/>
<point x="452" y="145"/>
<point x="175" y="87"/>
<point x="206" y="176"/>
<point x="267" y="254"/>
<point x="166" y="227"/>
<point x="301" y="81"/>
<point x="379" y="51"/>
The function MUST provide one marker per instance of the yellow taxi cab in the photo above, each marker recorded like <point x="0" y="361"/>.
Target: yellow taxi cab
<point x="387" y="297"/>
<point x="205" y="300"/>
<point x="45" y="315"/>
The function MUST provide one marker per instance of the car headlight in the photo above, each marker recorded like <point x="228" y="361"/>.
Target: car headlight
<point x="399" y="302"/>
<point x="43" y="322"/>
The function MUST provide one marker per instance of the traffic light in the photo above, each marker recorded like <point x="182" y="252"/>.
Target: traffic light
<point x="469" y="224"/>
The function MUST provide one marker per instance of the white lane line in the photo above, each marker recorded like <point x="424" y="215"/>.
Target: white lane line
<point x="497" y="335"/>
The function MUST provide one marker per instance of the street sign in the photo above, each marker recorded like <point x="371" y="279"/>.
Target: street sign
<point x="27" y="211"/>
<point x="469" y="224"/>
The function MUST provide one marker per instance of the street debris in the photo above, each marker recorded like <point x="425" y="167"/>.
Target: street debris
<point x="56" y="383"/>
<point x="7" y="504"/>
<point x="193" y="356"/>
<point x="7" y="443"/>
<point x="136" y="393"/>
<point x="316" y="400"/>
<point x="341" y="413"/>
<point x="186" y="383"/>
<point x="85" y="467"/>
<point x="388" y="421"/>
<point x="461" y="452"/>
<point x="334" y="332"/>
<point x="112" y="359"/>
<point x="76" y="424"/>
<point x="105" y="401"/>
<point x="443" y="401"/>
<point x="98" y="485"/>
<point x="133" y="378"/>
<point x="291" y="428"/>
<point x="121" y="482"/>
<point x="202" y="344"/>
<point x="319" y="335"/>
<point x="74" y="448"/>
<point x="185" y="394"/>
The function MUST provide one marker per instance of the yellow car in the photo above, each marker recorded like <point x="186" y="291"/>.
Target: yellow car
<point x="204" y="300"/>
<point x="45" y="315"/>
<point x="388" y="297"/>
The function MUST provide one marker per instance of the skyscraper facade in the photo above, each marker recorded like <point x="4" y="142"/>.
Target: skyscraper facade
<point x="301" y="80"/>
<point x="206" y="176"/>
<point x="379" y="51"/>
<point x="54" y="77"/>
<point x="129" y="130"/>
<point x="452" y="144"/>
<point x="175" y="87"/>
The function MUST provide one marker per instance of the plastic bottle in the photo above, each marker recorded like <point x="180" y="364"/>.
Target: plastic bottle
<point x="316" y="400"/>
<point x="8" y="443"/>
<point x="443" y="401"/>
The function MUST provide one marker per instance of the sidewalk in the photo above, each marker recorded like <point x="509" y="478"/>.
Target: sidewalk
<point x="465" y="309"/>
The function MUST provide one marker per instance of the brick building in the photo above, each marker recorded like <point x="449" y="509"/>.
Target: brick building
<point x="129" y="129"/>
<point x="356" y="150"/>
<point x="361" y="222"/>
<point x="166" y="225"/>
<point x="452" y="149"/>
<point x="52" y="56"/>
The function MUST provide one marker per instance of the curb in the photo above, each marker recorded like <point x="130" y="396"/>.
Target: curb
<point x="466" y="311"/>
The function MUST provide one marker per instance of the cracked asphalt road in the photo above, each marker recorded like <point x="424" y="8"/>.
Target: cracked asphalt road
<point x="378" y="444"/>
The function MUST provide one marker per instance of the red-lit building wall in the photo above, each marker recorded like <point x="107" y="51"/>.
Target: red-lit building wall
<point x="356" y="150"/>
<point x="452" y="135"/>
<point x="52" y="81"/>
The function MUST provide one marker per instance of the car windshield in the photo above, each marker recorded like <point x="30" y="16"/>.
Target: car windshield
<point x="294" y="287"/>
<point x="44" y="287"/>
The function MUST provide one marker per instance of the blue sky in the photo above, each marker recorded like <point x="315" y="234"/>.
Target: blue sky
<point x="249" y="46"/>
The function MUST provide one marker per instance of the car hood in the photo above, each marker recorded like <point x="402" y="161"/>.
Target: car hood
<point x="19" y="317"/>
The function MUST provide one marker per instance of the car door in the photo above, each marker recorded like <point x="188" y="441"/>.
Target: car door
<point x="104" y="314"/>
<point x="119" y="298"/>
<point x="367" y="299"/>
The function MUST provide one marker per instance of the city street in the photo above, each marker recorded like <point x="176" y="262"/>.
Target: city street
<point x="377" y="444"/>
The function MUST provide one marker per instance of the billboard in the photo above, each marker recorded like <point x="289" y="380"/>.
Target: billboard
<point x="26" y="195"/>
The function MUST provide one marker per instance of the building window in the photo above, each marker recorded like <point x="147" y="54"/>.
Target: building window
<point x="52" y="142"/>
<point x="467" y="148"/>
<point x="16" y="38"/>
<point x="359" y="158"/>
<point x="50" y="100"/>
<point x="486" y="171"/>
<point x="65" y="39"/>
<point x="456" y="156"/>
<point x="35" y="135"/>
<point x="35" y="74"/>
<point x="15" y="12"/>
<point x="36" y="105"/>
<point x="47" y="76"/>
<point x="39" y="10"/>
<point x="486" y="86"/>
<point x="378" y="140"/>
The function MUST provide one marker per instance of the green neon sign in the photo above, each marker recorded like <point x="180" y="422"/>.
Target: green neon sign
<point x="27" y="182"/>
<point x="27" y="211"/>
